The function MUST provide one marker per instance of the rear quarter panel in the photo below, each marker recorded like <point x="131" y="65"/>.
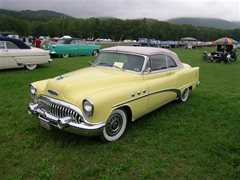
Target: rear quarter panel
<point x="187" y="77"/>
<point x="29" y="56"/>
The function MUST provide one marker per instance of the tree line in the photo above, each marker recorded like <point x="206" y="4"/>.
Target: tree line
<point x="112" y="28"/>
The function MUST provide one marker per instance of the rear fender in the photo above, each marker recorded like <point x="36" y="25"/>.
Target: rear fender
<point x="188" y="77"/>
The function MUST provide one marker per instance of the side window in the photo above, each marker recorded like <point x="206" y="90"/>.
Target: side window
<point x="10" y="45"/>
<point x="73" y="42"/>
<point x="171" y="63"/>
<point x="80" y="42"/>
<point x="2" y="46"/>
<point x="158" y="62"/>
<point x="131" y="62"/>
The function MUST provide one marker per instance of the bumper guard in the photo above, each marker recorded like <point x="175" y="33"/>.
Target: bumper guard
<point x="48" y="121"/>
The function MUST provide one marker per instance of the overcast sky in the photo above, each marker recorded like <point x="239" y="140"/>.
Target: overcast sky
<point x="131" y="9"/>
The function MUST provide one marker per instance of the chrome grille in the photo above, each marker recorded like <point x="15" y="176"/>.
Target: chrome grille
<point x="59" y="110"/>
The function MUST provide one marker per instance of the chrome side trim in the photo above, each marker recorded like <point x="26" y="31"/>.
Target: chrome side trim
<point x="177" y="91"/>
<point x="130" y="100"/>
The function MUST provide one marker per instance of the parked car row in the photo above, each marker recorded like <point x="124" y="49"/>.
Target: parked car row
<point x="171" y="44"/>
<point x="14" y="53"/>
<point x="155" y="43"/>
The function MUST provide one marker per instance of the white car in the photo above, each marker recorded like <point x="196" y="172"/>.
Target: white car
<point x="16" y="54"/>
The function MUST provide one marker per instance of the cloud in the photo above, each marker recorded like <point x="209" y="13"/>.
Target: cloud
<point x="127" y="9"/>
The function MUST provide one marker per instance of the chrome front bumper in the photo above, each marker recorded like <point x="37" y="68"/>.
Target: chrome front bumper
<point x="48" y="121"/>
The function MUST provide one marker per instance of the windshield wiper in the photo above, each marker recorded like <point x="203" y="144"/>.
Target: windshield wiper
<point x="104" y="64"/>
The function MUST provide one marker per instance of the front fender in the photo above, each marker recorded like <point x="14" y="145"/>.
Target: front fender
<point x="133" y="95"/>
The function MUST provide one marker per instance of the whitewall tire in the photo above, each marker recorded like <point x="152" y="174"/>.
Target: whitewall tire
<point x="65" y="55"/>
<point x="115" y="126"/>
<point x="185" y="95"/>
<point x="31" y="66"/>
<point x="95" y="52"/>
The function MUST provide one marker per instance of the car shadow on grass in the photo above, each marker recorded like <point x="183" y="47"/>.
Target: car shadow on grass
<point x="136" y="128"/>
<point x="23" y="69"/>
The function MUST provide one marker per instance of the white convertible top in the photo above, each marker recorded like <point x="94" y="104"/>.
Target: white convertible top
<point x="147" y="51"/>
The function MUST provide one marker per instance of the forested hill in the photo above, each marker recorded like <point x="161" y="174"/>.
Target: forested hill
<point x="208" y="22"/>
<point x="54" y="24"/>
<point x="33" y="15"/>
<point x="45" y="15"/>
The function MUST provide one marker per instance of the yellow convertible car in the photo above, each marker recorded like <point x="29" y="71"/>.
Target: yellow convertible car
<point x="123" y="84"/>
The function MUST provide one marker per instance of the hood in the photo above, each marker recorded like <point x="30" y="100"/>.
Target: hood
<point x="82" y="83"/>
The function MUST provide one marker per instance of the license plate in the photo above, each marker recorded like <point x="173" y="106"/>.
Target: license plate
<point x="45" y="125"/>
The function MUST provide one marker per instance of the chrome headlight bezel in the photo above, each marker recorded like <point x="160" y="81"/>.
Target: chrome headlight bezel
<point x="88" y="107"/>
<point x="32" y="90"/>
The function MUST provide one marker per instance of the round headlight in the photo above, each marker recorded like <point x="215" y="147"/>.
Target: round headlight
<point x="88" y="107"/>
<point x="33" y="90"/>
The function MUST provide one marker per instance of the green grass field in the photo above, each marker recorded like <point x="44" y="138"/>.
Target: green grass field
<point x="199" y="139"/>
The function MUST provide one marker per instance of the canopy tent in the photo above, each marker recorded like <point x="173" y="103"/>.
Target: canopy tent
<point x="225" y="41"/>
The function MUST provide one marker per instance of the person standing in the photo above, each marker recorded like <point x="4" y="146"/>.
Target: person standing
<point x="37" y="42"/>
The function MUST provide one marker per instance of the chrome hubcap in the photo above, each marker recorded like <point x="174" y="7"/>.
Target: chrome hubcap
<point x="114" y="124"/>
<point x="185" y="94"/>
<point x="95" y="53"/>
<point x="31" y="66"/>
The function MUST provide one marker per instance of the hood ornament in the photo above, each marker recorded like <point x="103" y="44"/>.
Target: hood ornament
<point x="54" y="93"/>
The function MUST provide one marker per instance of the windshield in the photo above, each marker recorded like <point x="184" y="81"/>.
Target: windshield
<point x="120" y="60"/>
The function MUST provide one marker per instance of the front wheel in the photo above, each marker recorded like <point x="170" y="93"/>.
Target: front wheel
<point x="31" y="66"/>
<point x="115" y="126"/>
<point x="95" y="52"/>
<point x="65" y="55"/>
<point x="185" y="95"/>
